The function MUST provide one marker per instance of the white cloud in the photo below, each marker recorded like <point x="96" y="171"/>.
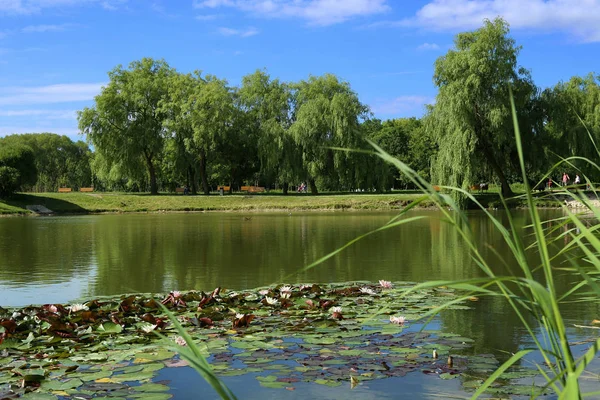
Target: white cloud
<point x="579" y="18"/>
<point x="401" y="106"/>
<point x="207" y="17"/>
<point x="236" y="32"/>
<point x="62" y="93"/>
<point x="16" y="7"/>
<point x="428" y="46"/>
<point x="48" y="114"/>
<point x="317" y="12"/>
<point x="45" y="28"/>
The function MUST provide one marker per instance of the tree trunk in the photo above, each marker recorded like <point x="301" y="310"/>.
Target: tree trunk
<point x="203" y="176"/>
<point x="152" y="172"/>
<point x="313" y="186"/>
<point x="193" y="184"/>
<point x="489" y="155"/>
<point x="285" y="187"/>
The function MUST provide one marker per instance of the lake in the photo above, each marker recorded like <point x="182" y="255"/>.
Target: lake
<point x="60" y="259"/>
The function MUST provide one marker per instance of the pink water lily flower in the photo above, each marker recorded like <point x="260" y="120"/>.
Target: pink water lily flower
<point x="180" y="341"/>
<point x="385" y="284"/>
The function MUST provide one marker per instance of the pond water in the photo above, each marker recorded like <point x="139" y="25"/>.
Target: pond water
<point x="60" y="259"/>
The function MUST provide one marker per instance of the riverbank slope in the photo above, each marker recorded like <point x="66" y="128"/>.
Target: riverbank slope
<point x="100" y="202"/>
<point x="92" y="203"/>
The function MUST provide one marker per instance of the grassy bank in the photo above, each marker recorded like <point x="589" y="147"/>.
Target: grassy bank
<point x="85" y="203"/>
<point x="90" y="203"/>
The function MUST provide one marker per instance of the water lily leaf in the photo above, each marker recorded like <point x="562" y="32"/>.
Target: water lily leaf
<point x="274" y="385"/>
<point x="110" y="327"/>
<point x="447" y="376"/>
<point x="328" y="382"/>
<point x="133" y="377"/>
<point x="151" y="387"/>
<point x="62" y="385"/>
<point x="37" y="396"/>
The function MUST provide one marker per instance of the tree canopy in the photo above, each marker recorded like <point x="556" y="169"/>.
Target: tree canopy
<point x="126" y="125"/>
<point x="471" y="120"/>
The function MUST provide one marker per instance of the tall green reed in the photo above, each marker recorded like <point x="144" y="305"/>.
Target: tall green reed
<point x="530" y="292"/>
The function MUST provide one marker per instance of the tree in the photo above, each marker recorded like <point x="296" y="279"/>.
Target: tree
<point x="327" y="114"/>
<point x="126" y="123"/>
<point x="266" y="105"/>
<point x="210" y="112"/>
<point x="471" y="120"/>
<point x="58" y="160"/>
<point x="17" y="168"/>
<point x="566" y="134"/>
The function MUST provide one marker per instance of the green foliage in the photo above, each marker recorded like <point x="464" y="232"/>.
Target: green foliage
<point x="17" y="163"/>
<point x="58" y="160"/>
<point x="327" y="114"/>
<point x="471" y="121"/>
<point x="267" y="108"/>
<point x="572" y="118"/>
<point x="126" y="124"/>
<point x="9" y="180"/>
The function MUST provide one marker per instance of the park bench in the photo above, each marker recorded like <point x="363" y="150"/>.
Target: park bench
<point x="64" y="190"/>
<point x="179" y="190"/>
<point x="224" y="188"/>
<point x="252" y="189"/>
<point x="86" y="189"/>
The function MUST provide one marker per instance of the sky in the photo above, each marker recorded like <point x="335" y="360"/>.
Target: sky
<point x="55" y="54"/>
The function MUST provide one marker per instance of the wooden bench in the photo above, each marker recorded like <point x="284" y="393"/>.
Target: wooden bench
<point x="64" y="190"/>
<point x="179" y="190"/>
<point x="88" y="189"/>
<point x="252" y="189"/>
<point x="225" y="188"/>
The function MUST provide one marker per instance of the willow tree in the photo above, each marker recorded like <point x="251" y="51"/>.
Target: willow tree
<point x="471" y="120"/>
<point x="327" y="114"/>
<point x="267" y="106"/>
<point x="126" y="123"/>
<point x="572" y="114"/>
<point x="210" y="112"/>
<point x="181" y="157"/>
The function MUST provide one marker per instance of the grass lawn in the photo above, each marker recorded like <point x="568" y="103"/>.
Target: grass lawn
<point x="82" y="203"/>
<point x="100" y="202"/>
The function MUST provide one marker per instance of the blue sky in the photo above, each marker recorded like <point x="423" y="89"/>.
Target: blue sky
<point x="55" y="54"/>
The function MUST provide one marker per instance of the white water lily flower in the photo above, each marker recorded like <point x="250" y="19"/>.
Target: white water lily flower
<point x="398" y="320"/>
<point x="336" y="309"/>
<point x="263" y="292"/>
<point x="367" y="290"/>
<point x="285" y="295"/>
<point x="270" y="300"/>
<point x="180" y="341"/>
<point x="285" y="289"/>
<point x="233" y="294"/>
<point x="238" y="315"/>
<point x="53" y="309"/>
<point x="385" y="284"/>
<point x="148" y="328"/>
<point x="303" y="286"/>
<point x="176" y="294"/>
<point x="78" y="307"/>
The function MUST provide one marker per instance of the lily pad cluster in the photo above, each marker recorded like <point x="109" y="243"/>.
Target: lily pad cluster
<point x="327" y="334"/>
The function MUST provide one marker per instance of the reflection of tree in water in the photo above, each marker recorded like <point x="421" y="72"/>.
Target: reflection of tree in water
<point x="492" y="323"/>
<point x="34" y="250"/>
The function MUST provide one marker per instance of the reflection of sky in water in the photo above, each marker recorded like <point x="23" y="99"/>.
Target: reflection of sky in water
<point x="47" y="292"/>
<point x="186" y="384"/>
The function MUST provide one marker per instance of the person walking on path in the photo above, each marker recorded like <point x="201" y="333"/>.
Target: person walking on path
<point x="565" y="179"/>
